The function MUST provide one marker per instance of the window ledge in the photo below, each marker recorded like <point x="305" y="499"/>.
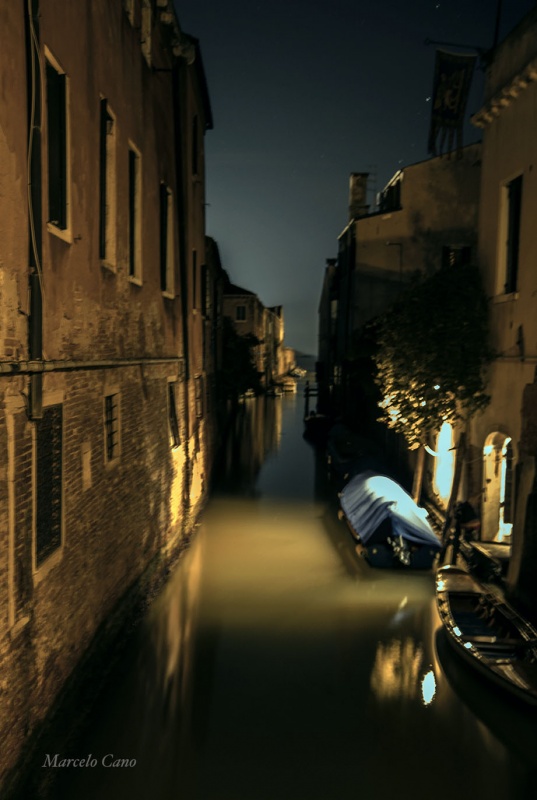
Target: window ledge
<point x="505" y="298"/>
<point x="109" y="267"/>
<point x="64" y="234"/>
<point x="168" y="295"/>
<point x="19" y="626"/>
<point x="136" y="281"/>
<point x="48" y="565"/>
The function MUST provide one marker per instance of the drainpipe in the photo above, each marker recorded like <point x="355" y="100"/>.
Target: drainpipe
<point x="35" y="204"/>
<point x="178" y="72"/>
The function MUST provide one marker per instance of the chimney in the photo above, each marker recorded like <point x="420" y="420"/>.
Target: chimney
<point x="358" y="206"/>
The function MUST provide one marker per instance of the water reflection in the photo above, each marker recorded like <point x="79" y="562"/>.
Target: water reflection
<point x="256" y="432"/>
<point x="278" y="664"/>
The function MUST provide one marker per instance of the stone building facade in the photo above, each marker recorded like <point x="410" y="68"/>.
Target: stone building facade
<point x="250" y="317"/>
<point x="503" y="437"/>
<point x="426" y="216"/>
<point x="104" y="437"/>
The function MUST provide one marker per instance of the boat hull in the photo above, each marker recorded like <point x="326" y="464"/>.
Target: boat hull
<point x="382" y="556"/>
<point x="488" y="633"/>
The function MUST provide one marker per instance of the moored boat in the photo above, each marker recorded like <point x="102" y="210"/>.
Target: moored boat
<point x="488" y="632"/>
<point x="390" y="528"/>
<point x="316" y="427"/>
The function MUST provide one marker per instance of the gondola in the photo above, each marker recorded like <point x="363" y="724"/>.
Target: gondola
<point x="390" y="528"/>
<point x="316" y="427"/>
<point x="488" y="632"/>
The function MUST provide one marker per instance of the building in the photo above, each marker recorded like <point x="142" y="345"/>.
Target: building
<point x="426" y="216"/>
<point x="504" y="437"/>
<point x="102" y="396"/>
<point x="250" y="317"/>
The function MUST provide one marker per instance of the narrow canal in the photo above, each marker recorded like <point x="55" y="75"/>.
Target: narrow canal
<point x="277" y="665"/>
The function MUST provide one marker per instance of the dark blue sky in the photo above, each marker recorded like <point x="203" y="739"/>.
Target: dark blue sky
<point x="303" y="93"/>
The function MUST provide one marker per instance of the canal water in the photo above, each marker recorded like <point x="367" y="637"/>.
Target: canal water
<point x="277" y="665"/>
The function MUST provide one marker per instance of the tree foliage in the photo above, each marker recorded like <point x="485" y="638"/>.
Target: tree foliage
<point x="433" y="349"/>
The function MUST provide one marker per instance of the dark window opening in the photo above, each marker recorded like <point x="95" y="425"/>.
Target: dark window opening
<point x="57" y="147"/>
<point x="514" y="208"/>
<point x="164" y="201"/>
<point x="49" y="483"/>
<point x="195" y="145"/>
<point x="199" y="396"/>
<point x="106" y="123"/>
<point x="194" y="278"/>
<point x="456" y="256"/>
<point x="133" y="210"/>
<point x="240" y="313"/>
<point x="172" y="417"/>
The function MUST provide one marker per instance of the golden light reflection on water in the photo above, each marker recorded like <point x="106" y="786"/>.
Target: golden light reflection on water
<point x="396" y="670"/>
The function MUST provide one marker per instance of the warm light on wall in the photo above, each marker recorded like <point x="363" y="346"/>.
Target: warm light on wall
<point x="445" y="462"/>
<point x="505" y="528"/>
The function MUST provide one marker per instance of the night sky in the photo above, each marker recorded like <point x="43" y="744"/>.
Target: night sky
<point x="303" y="93"/>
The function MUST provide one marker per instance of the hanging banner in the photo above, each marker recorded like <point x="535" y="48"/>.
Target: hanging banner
<point x="451" y="86"/>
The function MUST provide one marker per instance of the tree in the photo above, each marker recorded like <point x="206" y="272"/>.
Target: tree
<point x="238" y="363"/>
<point x="433" y="349"/>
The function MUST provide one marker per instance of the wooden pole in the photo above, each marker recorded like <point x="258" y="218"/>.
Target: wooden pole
<point x="418" y="475"/>
<point x="459" y="460"/>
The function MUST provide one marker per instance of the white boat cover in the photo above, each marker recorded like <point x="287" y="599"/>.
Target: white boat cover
<point x="369" y="498"/>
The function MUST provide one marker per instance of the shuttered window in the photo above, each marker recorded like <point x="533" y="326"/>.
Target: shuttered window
<point x="49" y="483"/>
<point x="111" y="426"/>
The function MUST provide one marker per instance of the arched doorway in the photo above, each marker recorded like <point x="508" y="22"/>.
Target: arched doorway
<point x="497" y="522"/>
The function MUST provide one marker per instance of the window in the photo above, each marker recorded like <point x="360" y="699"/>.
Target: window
<point x="194" y="278"/>
<point x="111" y="427"/>
<point x="199" y="396"/>
<point x="173" y="423"/>
<point x="107" y="185"/>
<point x="49" y="469"/>
<point x="511" y="207"/>
<point x="240" y="313"/>
<point x="195" y="145"/>
<point x="166" y="240"/>
<point x="146" y="30"/>
<point x="57" y="133"/>
<point x="455" y="256"/>
<point x="135" y="202"/>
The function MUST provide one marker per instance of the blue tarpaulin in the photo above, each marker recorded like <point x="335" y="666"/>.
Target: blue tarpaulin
<point x="369" y="499"/>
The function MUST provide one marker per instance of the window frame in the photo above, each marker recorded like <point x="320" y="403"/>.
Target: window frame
<point x="509" y="235"/>
<point x="107" y="186"/>
<point x="62" y="228"/>
<point x="174" y="434"/>
<point x="167" y="242"/>
<point x="242" y="308"/>
<point x="134" y="249"/>
<point x="41" y="567"/>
